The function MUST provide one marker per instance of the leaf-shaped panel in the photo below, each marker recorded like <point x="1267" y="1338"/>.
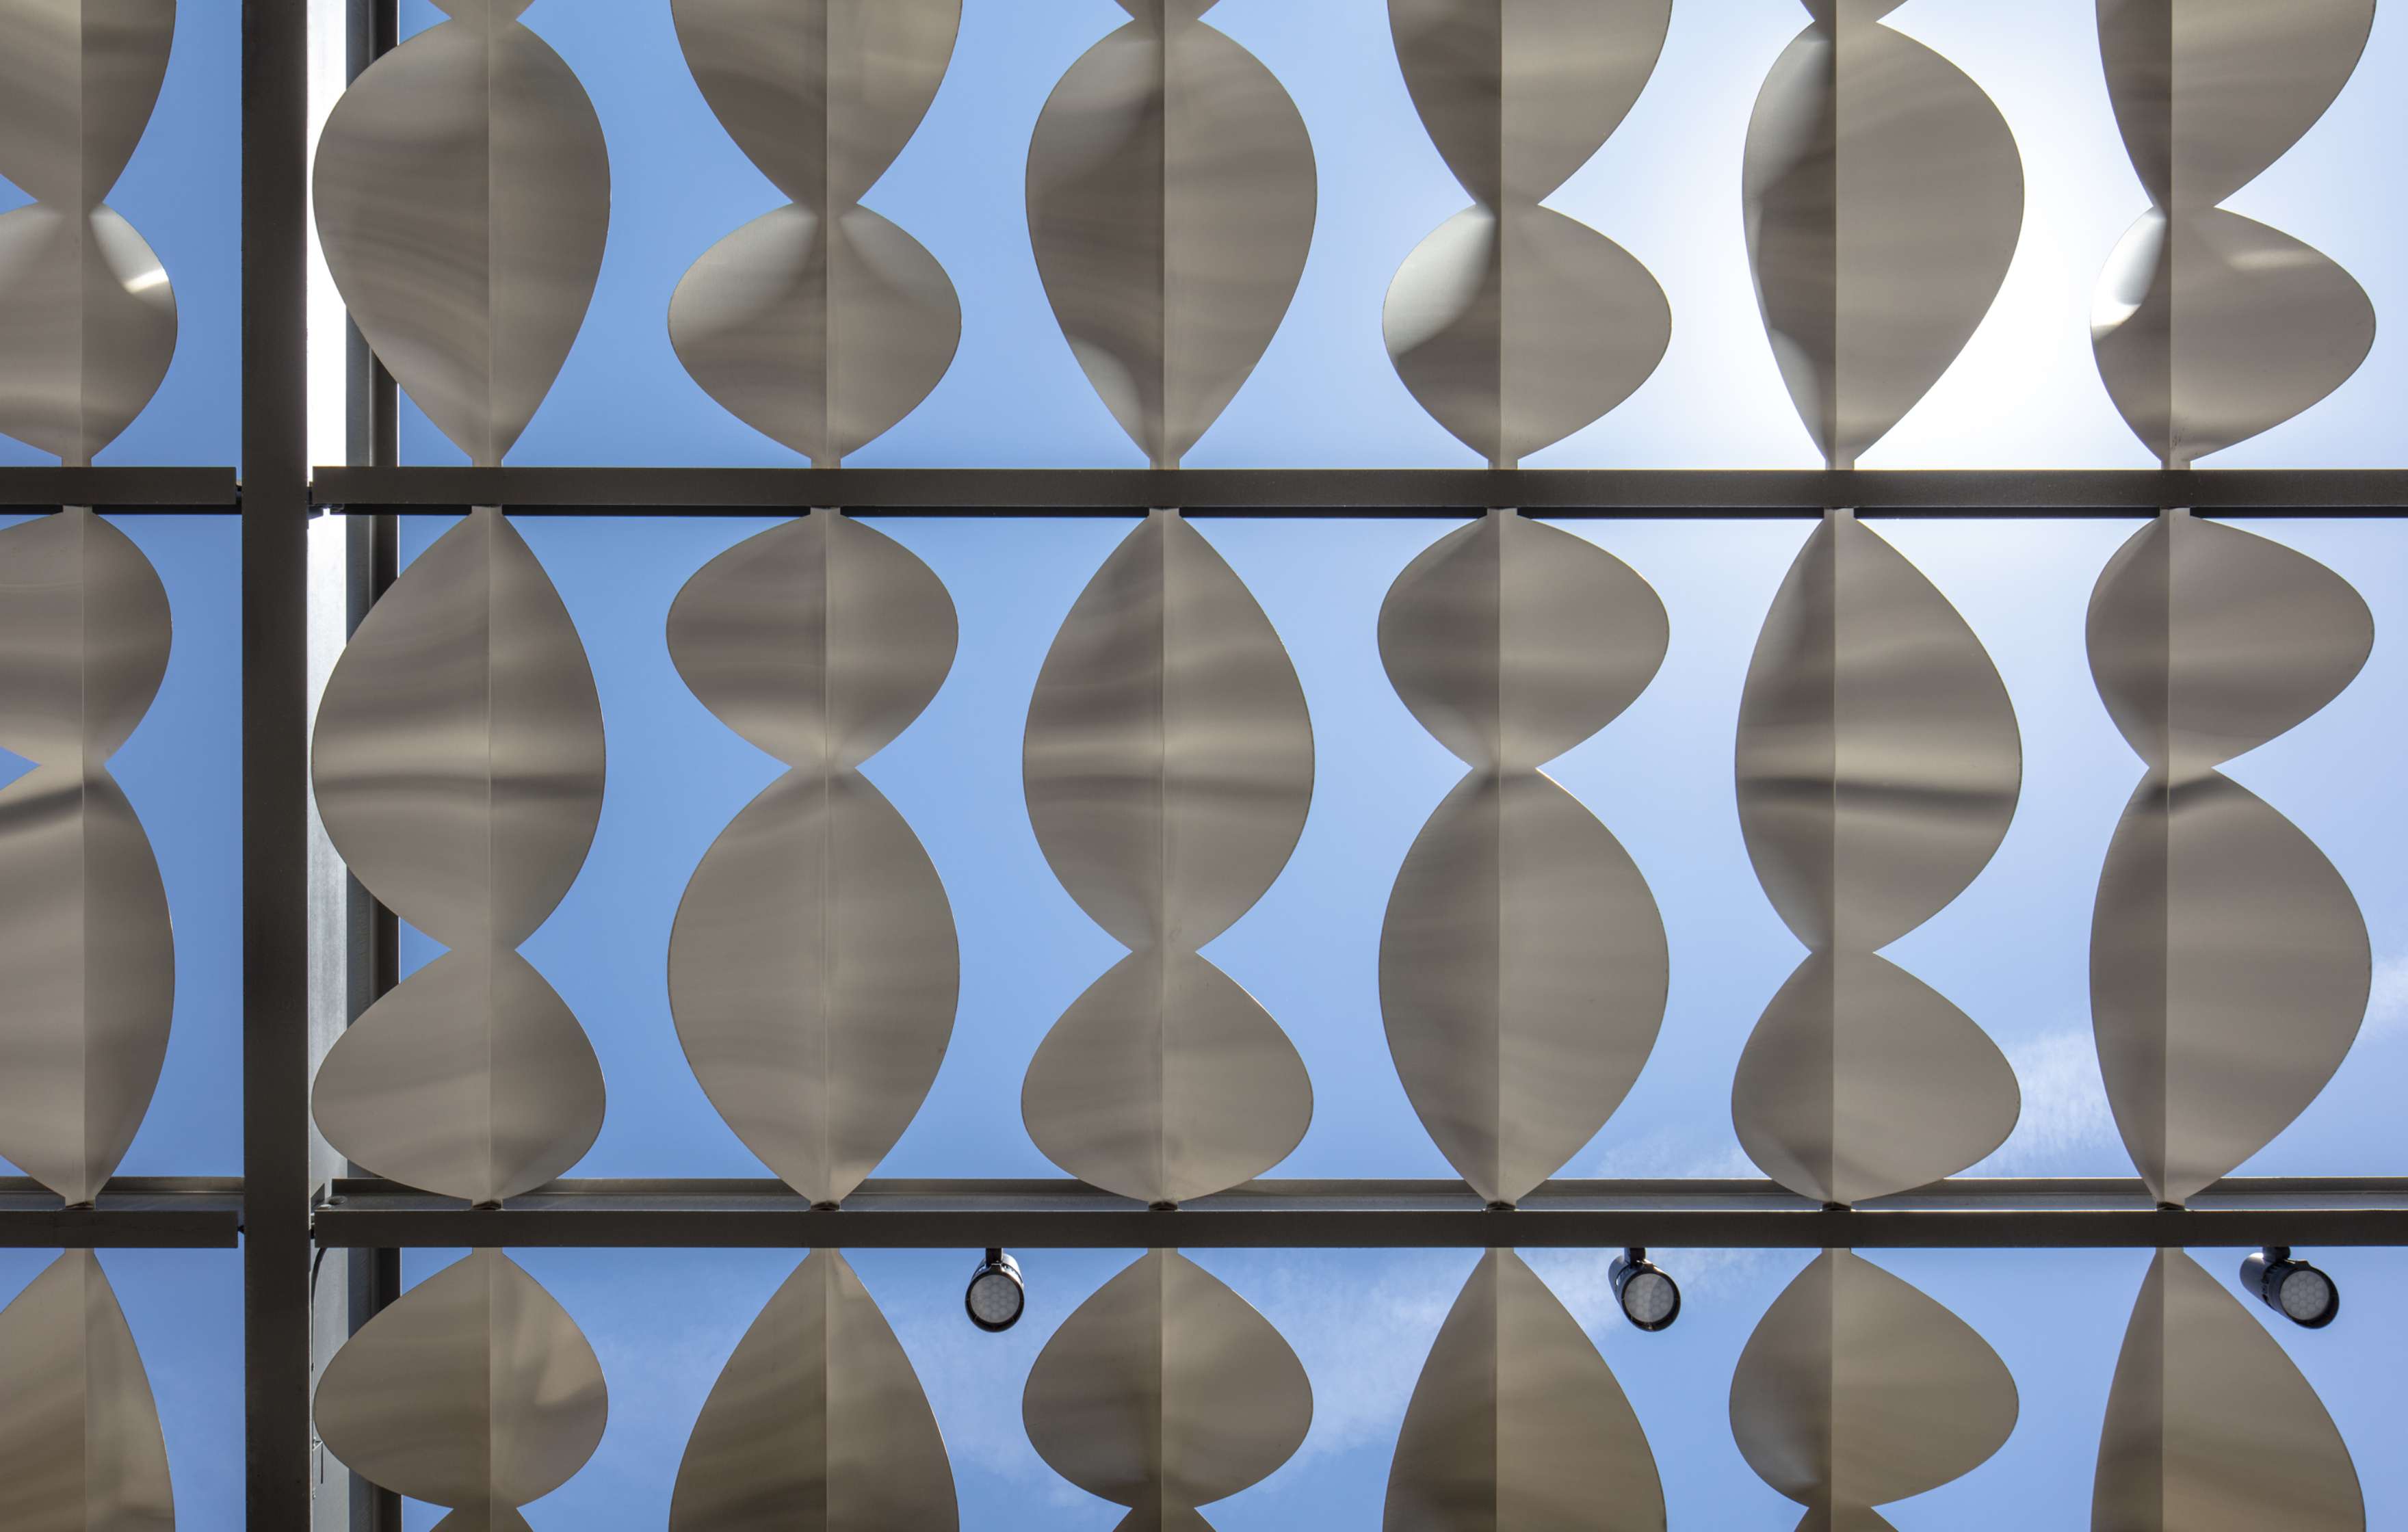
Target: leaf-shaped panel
<point x="87" y="327"/>
<point x="818" y="639"/>
<point x="1171" y="194"/>
<point x="2175" y="1456"/>
<point x="1513" y="641"/>
<point x="462" y="193"/>
<point x="813" y="974"/>
<point x="1518" y="93"/>
<point x="820" y="331"/>
<point x="79" y="1444"/>
<point x="1517" y="329"/>
<point x="474" y="1389"/>
<point x="458" y="759"/>
<point x="1856" y="1390"/>
<point x="1878" y="757"/>
<point x="472" y="1079"/>
<point x="1523" y="974"/>
<point x="78" y="82"/>
<point x="1166" y="1391"/>
<point x="1168" y="756"/>
<point x="1860" y="1080"/>
<point x="2210" y="328"/>
<point x="2207" y="641"/>
<point x="1884" y="198"/>
<point x="1516" y="1422"/>
<point x="816" y="1421"/>
<point x="821" y="95"/>
<point x="1164" y="1081"/>
<point x="2208" y="93"/>
<point x="87" y="957"/>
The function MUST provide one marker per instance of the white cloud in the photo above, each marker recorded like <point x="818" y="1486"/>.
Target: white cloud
<point x="2067" y="1128"/>
<point x="1362" y="1334"/>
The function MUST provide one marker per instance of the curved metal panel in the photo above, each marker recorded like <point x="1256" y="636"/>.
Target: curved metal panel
<point x="87" y="956"/>
<point x="2210" y="328"/>
<point x="1166" y="1391"/>
<point x="87" y="316"/>
<point x="79" y="1444"/>
<point x="1170" y="203"/>
<point x="2215" y="912"/>
<point x="1884" y="198"/>
<point x="474" y="1390"/>
<point x="820" y="324"/>
<point x="1168" y="766"/>
<point x="463" y="194"/>
<point x="817" y="1421"/>
<point x="458" y="763"/>
<point x="813" y="970"/>
<point x="2175" y="1456"/>
<point x="1856" y="1390"/>
<point x="1517" y="1422"/>
<point x="1523" y="967"/>
<point x="1513" y="325"/>
<point x="1879" y="766"/>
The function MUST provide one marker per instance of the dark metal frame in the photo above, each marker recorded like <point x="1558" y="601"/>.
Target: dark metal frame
<point x="271" y="1206"/>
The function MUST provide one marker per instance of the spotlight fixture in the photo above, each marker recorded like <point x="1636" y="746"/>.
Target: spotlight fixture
<point x="995" y="1297"/>
<point x="1649" y="1299"/>
<point x="2293" y="1289"/>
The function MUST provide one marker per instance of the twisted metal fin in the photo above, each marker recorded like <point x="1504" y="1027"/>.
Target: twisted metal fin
<point x="81" y="1448"/>
<point x="1172" y="196"/>
<point x="474" y="1390"/>
<point x="817" y="1419"/>
<point x="1166" y="1391"/>
<point x="1873" y="281"/>
<point x="1517" y="1422"/>
<point x="1856" y="1390"/>
<point x="2176" y="1455"/>
<point x="463" y="195"/>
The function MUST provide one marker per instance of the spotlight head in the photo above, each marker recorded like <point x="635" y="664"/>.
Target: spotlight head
<point x="1649" y="1299"/>
<point x="2293" y="1289"/>
<point x="995" y="1297"/>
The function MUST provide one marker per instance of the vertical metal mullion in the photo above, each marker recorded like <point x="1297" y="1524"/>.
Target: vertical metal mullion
<point x="372" y="955"/>
<point x="275" y="763"/>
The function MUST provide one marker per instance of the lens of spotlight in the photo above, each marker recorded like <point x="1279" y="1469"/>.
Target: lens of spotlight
<point x="1649" y="1299"/>
<point x="995" y="1297"/>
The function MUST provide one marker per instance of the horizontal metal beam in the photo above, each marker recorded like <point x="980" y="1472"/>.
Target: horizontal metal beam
<point x="1380" y="492"/>
<point x="158" y="1212"/>
<point x="1299" y="1214"/>
<point x="203" y="490"/>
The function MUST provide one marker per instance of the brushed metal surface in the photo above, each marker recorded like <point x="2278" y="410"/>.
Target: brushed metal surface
<point x="475" y="1390"/>
<point x="817" y="1421"/>
<point x="1165" y="1391"/>
<point x="2229" y="965"/>
<point x="1169" y="765"/>
<point x="2210" y="1426"/>
<point x="1517" y="1422"/>
<point x="80" y="1448"/>
<point x="1856" y="1390"/>
<point x="813" y="970"/>
<point x="1171" y="194"/>
<point x="463" y="194"/>
<point x="1513" y="325"/>
<point x="87" y="315"/>
<point x="458" y="765"/>
<point x="819" y="324"/>
<point x="1523" y="966"/>
<point x="1883" y="196"/>
<point x="87" y="955"/>
<point x="2209" y="327"/>
<point x="1878" y="767"/>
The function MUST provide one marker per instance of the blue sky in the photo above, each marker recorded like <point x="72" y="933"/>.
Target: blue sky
<point x="2012" y="952"/>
